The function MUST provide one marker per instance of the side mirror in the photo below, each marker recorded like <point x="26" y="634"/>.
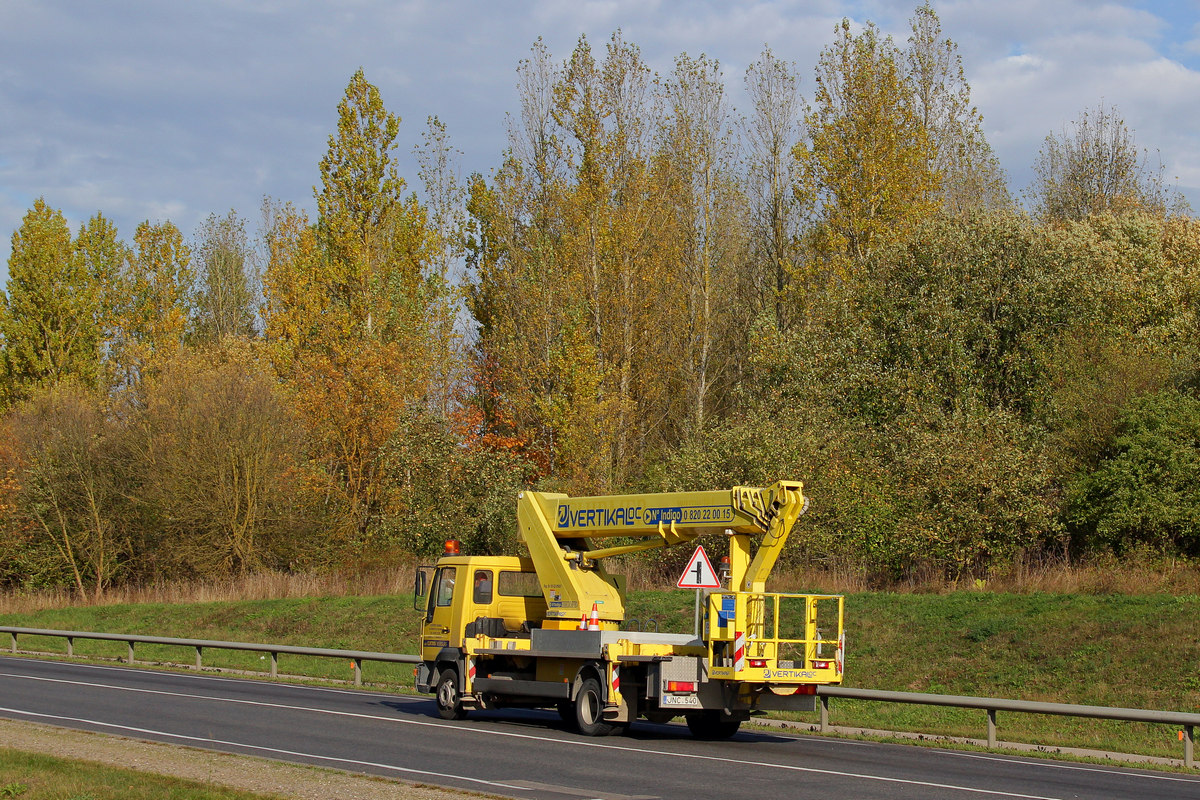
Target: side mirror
<point x="420" y="588"/>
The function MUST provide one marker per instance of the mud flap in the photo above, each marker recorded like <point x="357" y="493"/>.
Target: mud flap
<point x="768" y="701"/>
<point x="620" y="706"/>
<point x="424" y="681"/>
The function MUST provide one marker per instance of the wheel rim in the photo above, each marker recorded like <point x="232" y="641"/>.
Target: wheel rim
<point x="447" y="694"/>
<point x="590" y="709"/>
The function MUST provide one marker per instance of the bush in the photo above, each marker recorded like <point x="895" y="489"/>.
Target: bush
<point x="1145" y="491"/>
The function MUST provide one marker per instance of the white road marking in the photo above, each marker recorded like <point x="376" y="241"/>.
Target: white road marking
<point x="1075" y="767"/>
<point x="299" y="687"/>
<point x="209" y="741"/>
<point x="510" y="734"/>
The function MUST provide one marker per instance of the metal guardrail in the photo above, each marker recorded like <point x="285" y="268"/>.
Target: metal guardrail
<point x="991" y="705"/>
<point x="356" y="656"/>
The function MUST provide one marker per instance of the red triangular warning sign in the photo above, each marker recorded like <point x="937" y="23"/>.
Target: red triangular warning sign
<point x="699" y="573"/>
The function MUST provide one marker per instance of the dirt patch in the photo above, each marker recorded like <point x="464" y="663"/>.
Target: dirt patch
<point x="224" y="769"/>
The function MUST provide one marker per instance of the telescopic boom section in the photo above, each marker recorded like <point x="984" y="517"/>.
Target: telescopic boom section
<point x="559" y="530"/>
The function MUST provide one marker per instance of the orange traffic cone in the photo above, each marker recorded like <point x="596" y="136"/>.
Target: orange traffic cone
<point x="583" y="626"/>
<point x="594" y="620"/>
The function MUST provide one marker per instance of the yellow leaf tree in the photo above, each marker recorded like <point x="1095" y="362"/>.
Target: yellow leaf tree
<point x="48" y="314"/>
<point x="152" y="317"/>
<point x="868" y="158"/>
<point x="347" y="310"/>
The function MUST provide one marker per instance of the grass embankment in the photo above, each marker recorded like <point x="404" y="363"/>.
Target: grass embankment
<point x="29" y="776"/>
<point x="1139" y="651"/>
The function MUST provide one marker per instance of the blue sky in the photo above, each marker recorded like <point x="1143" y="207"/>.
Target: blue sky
<point x="156" y="110"/>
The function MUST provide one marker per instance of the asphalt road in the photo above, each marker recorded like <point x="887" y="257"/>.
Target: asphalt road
<point x="530" y="754"/>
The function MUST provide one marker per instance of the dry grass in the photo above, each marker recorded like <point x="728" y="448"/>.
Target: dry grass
<point x="1130" y="575"/>
<point x="258" y="586"/>
<point x="1133" y="574"/>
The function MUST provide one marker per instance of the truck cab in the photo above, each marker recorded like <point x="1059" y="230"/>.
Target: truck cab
<point x="496" y="596"/>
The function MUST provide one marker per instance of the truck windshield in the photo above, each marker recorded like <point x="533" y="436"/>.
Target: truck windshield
<point x="445" y="586"/>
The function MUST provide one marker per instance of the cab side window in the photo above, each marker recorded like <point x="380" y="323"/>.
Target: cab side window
<point x="483" y="586"/>
<point x="445" y="586"/>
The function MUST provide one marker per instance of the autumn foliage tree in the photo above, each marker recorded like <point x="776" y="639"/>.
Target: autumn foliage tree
<point x="868" y="160"/>
<point x="49" y="318"/>
<point x="970" y="177"/>
<point x="661" y="291"/>
<point x="226" y="292"/>
<point x="1094" y="165"/>
<point x="348" y="301"/>
<point x="153" y="301"/>
<point x="218" y="455"/>
<point x="74" y="486"/>
<point x="777" y="209"/>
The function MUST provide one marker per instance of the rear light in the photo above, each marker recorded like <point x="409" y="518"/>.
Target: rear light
<point x="820" y="665"/>
<point x="681" y="686"/>
<point x="758" y="663"/>
<point x="808" y="688"/>
<point x="452" y="548"/>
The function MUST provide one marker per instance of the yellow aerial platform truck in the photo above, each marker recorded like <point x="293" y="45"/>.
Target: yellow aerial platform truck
<point x="546" y="630"/>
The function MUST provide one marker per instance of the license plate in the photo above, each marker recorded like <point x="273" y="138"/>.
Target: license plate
<point x="688" y="700"/>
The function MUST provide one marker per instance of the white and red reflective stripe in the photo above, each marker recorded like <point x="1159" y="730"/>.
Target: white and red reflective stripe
<point x="471" y="669"/>
<point x="739" y="651"/>
<point x="616" y="679"/>
<point x="840" y="658"/>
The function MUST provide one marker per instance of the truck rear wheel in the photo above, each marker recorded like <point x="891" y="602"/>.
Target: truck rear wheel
<point x="449" y="700"/>
<point x="710" y="725"/>
<point x="589" y="710"/>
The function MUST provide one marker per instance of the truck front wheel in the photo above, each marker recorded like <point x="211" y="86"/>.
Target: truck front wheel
<point x="449" y="700"/>
<point x="589" y="710"/>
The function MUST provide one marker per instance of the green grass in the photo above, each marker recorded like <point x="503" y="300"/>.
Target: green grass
<point x="383" y="624"/>
<point x="1105" y="650"/>
<point x="1136" y="651"/>
<point x="38" y="777"/>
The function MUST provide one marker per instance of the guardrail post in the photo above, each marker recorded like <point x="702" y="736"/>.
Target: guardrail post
<point x="14" y="642"/>
<point x="198" y="649"/>
<point x="1189" y="757"/>
<point x="358" y="671"/>
<point x="70" y="646"/>
<point x="274" y="665"/>
<point x="130" y="643"/>
<point x="824" y="712"/>
<point x="991" y="727"/>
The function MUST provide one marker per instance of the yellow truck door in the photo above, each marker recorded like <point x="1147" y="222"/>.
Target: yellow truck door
<point x="439" y="615"/>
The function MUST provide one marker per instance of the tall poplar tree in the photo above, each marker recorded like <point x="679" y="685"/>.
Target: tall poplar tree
<point x="514" y="237"/>
<point x="446" y="197"/>
<point x="709" y="204"/>
<point x="156" y="287"/>
<point x="777" y="211"/>
<point x="348" y="311"/>
<point x="49" y="312"/>
<point x="226" y="289"/>
<point x="969" y="173"/>
<point x="868" y="158"/>
<point x="575" y="282"/>
<point x="105" y="258"/>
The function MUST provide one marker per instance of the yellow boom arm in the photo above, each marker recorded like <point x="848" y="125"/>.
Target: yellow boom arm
<point x="559" y="531"/>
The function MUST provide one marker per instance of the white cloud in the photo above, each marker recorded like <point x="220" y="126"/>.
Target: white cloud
<point x="147" y="110"/>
